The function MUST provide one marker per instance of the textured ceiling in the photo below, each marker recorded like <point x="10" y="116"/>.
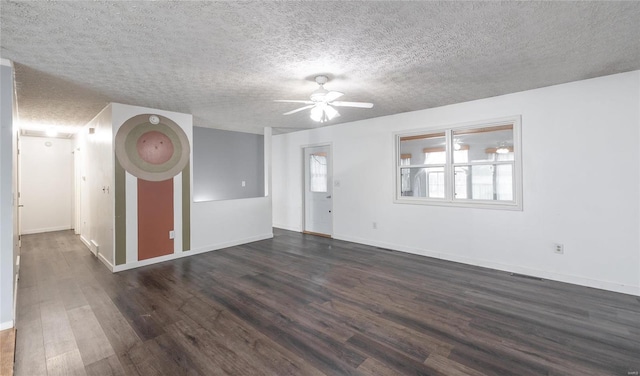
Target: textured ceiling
<point x="225" y="62"/>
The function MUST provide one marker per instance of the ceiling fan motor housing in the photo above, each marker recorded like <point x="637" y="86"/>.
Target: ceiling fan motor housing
<point x="320" y="93"/>
<point x="321" y="80"/>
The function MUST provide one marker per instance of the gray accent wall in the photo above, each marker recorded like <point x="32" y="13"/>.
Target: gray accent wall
<point x="223" y="160"/>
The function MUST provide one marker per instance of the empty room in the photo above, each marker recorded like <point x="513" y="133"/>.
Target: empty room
<point x="319" y="188"/>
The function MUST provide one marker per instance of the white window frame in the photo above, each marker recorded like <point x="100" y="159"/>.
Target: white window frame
<point x="449" y="167"/>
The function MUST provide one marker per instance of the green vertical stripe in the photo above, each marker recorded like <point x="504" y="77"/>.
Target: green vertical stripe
<point x="186" y="208"/>
<point x="121" y="215"/>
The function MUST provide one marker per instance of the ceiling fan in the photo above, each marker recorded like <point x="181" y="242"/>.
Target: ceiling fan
<point x="322" y="103"/>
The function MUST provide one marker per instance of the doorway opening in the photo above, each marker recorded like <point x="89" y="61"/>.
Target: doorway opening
<point x="318" y="191"/>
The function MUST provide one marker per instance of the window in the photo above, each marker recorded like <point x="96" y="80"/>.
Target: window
<point x="475" y="165"/>
<point x="318" y="172"/>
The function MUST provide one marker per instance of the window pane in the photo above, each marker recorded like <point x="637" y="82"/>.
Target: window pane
<point x="485" y="182"/>
<point x="318" y="172"/>
<point x="461" y="182"/>
<point x="504" y="182"/>
<point x="484" y="144"/>
<point x="461" y="156"/>
<point x="438" y="157"/>
<point x="425" y="149"/>
<point x="422" y="182"/>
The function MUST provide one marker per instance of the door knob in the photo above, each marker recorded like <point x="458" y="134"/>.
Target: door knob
<point x="329" y="196"/>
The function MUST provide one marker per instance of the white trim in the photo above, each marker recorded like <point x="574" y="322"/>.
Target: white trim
<point x="131" y="217"/>
<point x="47" y="229"/>
<point x="16" y="278"/>
<point x="6" y="325"/>
<point x="267" y="140"/>
<point x="6" y="62"/>
<point x="303" y="224"/>
<point x="177" y="213"/>
<point x="559" y="277"/>
<point x="173" y="256"/>
<point x="86" y="243"/>
<point x="105" y="261"/>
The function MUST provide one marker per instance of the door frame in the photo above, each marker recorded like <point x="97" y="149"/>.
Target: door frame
<point x="304" y="190"/>
<point x="18" y="187"/>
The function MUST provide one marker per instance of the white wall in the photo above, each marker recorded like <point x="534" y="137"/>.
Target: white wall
<point x="220" y="224"/>
<point x="8" y="187"/>
<point x="46" y="184"/>
<point x="581" y="168"/>
<point x="94" y="152"/>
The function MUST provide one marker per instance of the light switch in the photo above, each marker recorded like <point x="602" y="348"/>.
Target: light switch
<point x="172" y="234"/>
<point x="244" y="183"/>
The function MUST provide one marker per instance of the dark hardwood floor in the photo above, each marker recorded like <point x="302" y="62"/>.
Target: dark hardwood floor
<point x="306" y="305"/>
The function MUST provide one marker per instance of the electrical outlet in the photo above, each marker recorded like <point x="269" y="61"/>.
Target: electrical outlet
<point x="244" y="183"/>
<point x="375" y="225"/>
<point x="558" y="248"/>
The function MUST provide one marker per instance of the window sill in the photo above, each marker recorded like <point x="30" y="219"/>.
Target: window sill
<point x="513" y="206"/>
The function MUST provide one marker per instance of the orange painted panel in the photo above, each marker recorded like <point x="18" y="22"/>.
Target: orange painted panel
<point x="155" y="218"/>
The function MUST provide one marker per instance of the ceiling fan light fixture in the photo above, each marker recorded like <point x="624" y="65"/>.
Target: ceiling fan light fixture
<point x="323" y="113"/>
<point x="316" y="114"/>
<point x="322" y="102"/>
<point x="331" y="112"/>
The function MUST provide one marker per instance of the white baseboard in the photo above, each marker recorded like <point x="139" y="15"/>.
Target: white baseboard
<point x="86" y="243"/>
<point x="177" y="255"/>
<point x="47" y="229"/>
<point x="16" y="278"/>
<point x="576" y="280"/>
<point x="6" y="325"/>
<point x="105" y="261"/>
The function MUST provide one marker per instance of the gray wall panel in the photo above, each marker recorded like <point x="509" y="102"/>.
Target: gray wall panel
<point x="222" y="160"/>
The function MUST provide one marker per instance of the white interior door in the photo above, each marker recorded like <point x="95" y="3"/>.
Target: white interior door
<point x="318" y="190"/>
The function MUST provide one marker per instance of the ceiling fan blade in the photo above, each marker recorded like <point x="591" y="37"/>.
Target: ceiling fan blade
<point x="293" y="101"/>
<point x="352" y="104"/>
<point x="332" y="96"/>
<point x="298" y="109"/>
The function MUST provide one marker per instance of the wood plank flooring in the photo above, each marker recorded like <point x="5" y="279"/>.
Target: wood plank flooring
<point x="305" y="305"/>
<point x="7" y="351"/>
